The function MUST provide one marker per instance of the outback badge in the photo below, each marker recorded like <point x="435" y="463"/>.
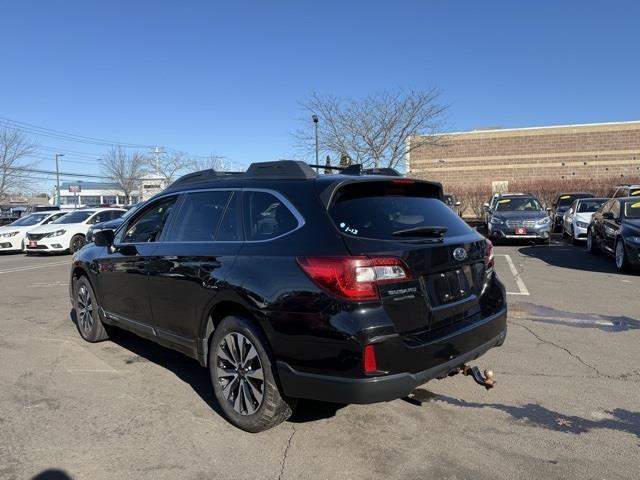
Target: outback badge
<point x="460" y="254"/>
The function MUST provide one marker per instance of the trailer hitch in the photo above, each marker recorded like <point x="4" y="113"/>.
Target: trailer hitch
<point x="485" y="380"/>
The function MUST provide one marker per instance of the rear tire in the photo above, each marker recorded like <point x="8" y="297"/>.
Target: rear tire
<point x="592" y="247"/>
<point x="242" y="373"/>
<point x="88" y="320"/>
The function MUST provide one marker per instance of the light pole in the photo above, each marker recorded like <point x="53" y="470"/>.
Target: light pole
<point x="58" y="179"/>
<point x="315" y="122"/>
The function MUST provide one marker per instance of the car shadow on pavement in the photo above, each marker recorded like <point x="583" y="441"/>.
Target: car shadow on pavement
<point x="573" y="257"/>
<point x="534" y="415"/>
<point x="52" y="474"/>
<point x="190" y="372"/>
<point x="553" y="316"/>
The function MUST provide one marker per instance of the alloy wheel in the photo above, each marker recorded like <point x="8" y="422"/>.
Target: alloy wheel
<point x="240" y="373"/>
<point x="85" y="309"/>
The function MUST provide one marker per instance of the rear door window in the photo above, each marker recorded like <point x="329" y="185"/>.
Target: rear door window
<point x="266" y="216"/>
<point x="199" y="217"/>
<point x="381" y="209"/>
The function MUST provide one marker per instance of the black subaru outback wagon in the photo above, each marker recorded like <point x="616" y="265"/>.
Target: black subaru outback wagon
<point x="286" y="285"/>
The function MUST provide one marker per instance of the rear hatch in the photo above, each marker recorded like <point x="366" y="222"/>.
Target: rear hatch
<point x="407" y="219"/>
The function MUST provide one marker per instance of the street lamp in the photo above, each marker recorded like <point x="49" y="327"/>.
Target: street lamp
<point x="58" y="179"/>
<point x="315" y="122"/>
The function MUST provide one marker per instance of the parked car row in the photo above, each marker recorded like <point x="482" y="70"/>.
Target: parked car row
<point x="53" y="231"/>
<point x="610" y="225"/>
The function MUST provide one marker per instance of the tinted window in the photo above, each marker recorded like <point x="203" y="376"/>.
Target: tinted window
<point x="199" y="217"/>
<point x="230" y="228"/>
<point x="106" y="216"/>
<point x="519" y="204"/>
<point x="148" y="226"/>
<point x="266" y="216"/>
<point x="589" y="206"/>
<point x="377" y="210"/>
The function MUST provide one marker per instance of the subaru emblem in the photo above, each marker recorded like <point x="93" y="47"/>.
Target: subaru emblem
<point x="460" y="254"/>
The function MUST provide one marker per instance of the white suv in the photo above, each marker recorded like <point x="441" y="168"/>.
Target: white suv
<point x="13" y="236"/>
<point x="68" y="233"/>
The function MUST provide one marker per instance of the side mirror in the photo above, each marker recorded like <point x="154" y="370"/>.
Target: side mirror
<point x="458" y="203"/>
<point x="104" y="238"/>
<point x="607" y="216"/>
<point x="485" y="206"/>
<point x="548" y="209"/>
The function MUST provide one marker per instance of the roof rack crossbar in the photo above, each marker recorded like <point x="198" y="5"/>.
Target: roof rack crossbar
<point x="358" y="169"/>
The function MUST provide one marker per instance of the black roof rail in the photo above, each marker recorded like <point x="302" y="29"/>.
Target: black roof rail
<point x="292" y="169"/>
<point x="202" y="176"/>
<point x="358" y="169"/>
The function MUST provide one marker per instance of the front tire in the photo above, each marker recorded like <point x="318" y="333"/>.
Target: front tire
<point x="76" y="243"/>
<point x="622" y="262"/>
<point x="592" y="247"/>
<point x="88" y="320"/>
<point x="242" y="374"/>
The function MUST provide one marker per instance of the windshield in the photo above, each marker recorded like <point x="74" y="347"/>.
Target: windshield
<point x="78" y="216"/>
<point x="632" y="210"/>
<point x="32" y="219"/>
<point x="378" y="210"/>
<point x="566" y="200"/>
<point x="590" y="206"/>
<point x="518" y="204"/>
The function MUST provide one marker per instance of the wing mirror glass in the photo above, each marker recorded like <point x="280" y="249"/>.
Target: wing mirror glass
<point x="103" y="238"/>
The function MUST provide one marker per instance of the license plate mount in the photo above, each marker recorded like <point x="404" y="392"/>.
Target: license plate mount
<point x="521" y="231"/>
<point x="33" y="244"/>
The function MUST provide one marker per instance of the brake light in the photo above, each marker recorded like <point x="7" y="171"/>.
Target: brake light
<point x="403" y="180"/>
<point x="488" y="255"/>
<point x="354" y="278"/>
<point x="369" y="359"/>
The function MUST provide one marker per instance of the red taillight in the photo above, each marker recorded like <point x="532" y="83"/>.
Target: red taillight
<point x="369" y="359"/>
<point x="488" y="254"/>
<point x="354" y="278"/>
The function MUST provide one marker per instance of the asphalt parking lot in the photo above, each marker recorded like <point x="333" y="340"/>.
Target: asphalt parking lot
<point x="567" y="402"/>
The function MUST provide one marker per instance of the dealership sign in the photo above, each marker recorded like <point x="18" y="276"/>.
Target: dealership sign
<point x="75" y="188"/>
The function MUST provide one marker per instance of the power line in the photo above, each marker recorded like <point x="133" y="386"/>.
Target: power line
<point x="49" y="132"/>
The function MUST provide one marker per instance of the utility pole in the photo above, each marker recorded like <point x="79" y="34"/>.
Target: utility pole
<point x="157" y="151"/>
<point x="58" y="179"/>
<point x="315" y="122"/>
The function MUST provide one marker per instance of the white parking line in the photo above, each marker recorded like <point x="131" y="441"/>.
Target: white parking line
<point x="519" y="282"/>
<point x="34" y="267"/>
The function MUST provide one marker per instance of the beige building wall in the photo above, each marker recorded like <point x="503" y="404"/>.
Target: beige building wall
<point x="606" y="150"/>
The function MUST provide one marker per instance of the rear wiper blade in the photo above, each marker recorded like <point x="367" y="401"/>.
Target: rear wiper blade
<point x="437" y="232"/>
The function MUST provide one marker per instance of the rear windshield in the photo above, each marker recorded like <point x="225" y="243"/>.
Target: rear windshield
<point x="632" y="210"/>
<point x="590" y="206"/>
<point x="378" y="209"/>
<point x="518" y="204"/>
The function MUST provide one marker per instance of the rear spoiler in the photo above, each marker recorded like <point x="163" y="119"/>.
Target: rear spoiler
<point x="326" y="195"/>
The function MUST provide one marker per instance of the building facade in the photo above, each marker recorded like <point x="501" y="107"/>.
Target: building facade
<point x="104" y="193"/>
<point x="609" y="151"/>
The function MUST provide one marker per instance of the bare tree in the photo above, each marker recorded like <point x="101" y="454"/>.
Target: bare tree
<point x="211" y="161"/>
<point x="125" y="169"/>
<point x="168" y="166"/>
<point x="14" y="149"/>
<point x="374" y="130"/>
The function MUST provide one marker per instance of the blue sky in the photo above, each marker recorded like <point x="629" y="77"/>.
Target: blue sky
<point x="226" y="77"/>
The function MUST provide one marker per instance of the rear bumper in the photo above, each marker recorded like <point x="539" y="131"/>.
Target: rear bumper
<point x="384" y="388"/>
